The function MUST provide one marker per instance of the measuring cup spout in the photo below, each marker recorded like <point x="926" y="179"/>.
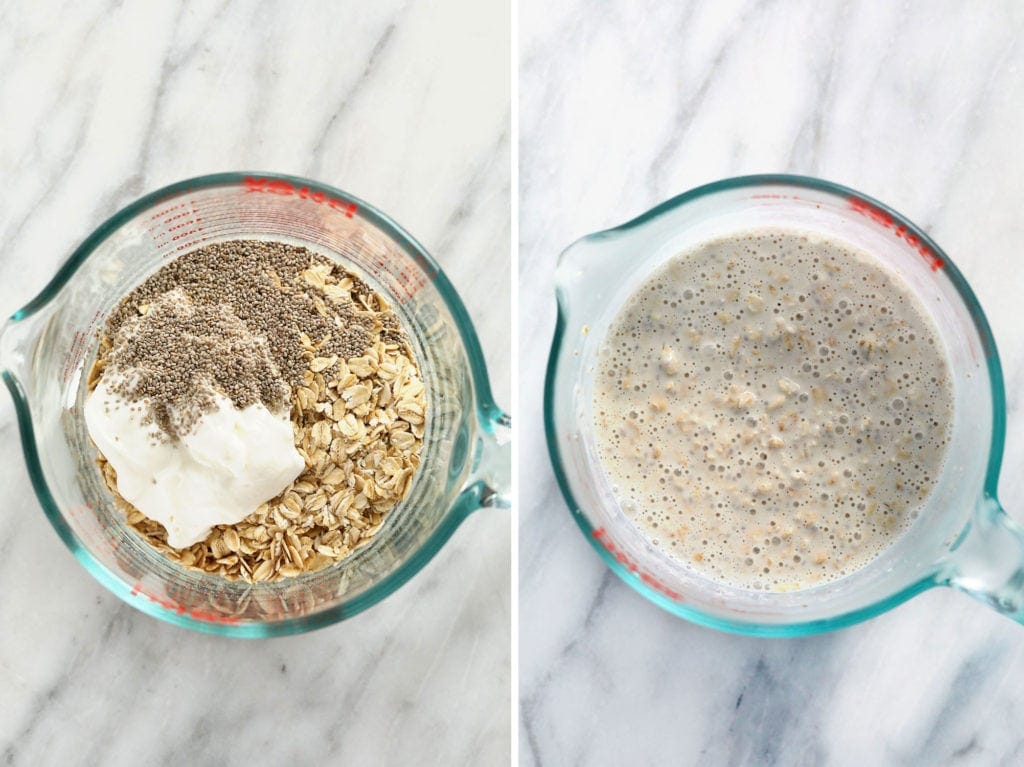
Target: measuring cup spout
<point x="989" y="562"/>
<point x="588" y="271"/>
<point x="16" y="338"/>
<point x="591" y="271"/>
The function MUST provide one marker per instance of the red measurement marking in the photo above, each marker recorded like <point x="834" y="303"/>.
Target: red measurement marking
<point x="622" y="558"/>
<point x="201" y="615"/>
<point x="167" y="224"/>
<point x="409" y="283"/>
<point x="190" y="222"/>
<point x="884" y="220"/>
<point x="77" y="349"/>
<point x="176" y="216"/>
<point x="287" y="188"/>
<point x="99" y="539"/>
<point x="74" y="511"/>
<point x="74" y="355"/>
<point x="164" y="211"/>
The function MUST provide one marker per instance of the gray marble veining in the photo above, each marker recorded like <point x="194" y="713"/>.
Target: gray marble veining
<point x="623" y="105"/>
<point x="405" y="105"/>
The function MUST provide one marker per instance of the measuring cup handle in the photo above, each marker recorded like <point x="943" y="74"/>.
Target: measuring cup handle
<point x="490" y="482"/>
<point x="989" y="562"/>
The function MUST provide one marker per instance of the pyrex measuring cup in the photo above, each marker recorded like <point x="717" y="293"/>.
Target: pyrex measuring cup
<point x="46" y="345"/>
<point x="962" y="537"/>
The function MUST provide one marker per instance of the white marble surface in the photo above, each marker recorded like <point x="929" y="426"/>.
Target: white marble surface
<point x="403" y="104"/>
<point x="625" y="104"/>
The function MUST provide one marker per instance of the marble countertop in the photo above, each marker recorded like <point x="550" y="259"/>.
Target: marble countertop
<point x="103" y="102"/>
<point x="626" y="104"/>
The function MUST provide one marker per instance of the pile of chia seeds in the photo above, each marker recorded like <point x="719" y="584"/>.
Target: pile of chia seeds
<point x="228" y="319"/>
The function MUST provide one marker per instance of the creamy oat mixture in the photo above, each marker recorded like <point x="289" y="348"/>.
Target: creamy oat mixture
<point x="772" y="409"/>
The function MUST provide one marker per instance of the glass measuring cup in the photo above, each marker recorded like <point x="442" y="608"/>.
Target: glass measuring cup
<point x="46" y="345"/>
<point x="962" y="537"/>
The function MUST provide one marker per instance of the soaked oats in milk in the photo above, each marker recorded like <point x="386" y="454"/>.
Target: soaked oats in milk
<point x="772" y="408"/>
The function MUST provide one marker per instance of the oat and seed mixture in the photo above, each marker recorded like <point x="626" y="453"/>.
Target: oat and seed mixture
<point x="326" y="347"/>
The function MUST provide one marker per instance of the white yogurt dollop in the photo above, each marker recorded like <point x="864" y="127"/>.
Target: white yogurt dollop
<point x="229" y="463"/>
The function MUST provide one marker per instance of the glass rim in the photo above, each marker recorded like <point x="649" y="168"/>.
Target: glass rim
<point x="488" y="415"/>
<point x="798" y="628"/>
